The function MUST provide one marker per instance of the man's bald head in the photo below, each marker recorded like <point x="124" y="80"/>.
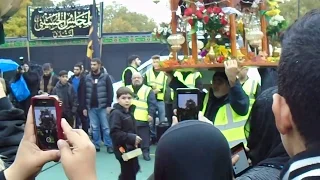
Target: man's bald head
<point x="137" y="79"/>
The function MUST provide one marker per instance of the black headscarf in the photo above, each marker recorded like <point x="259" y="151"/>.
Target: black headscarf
<point x="193" y="150"/>
<point x="262" y="134"/>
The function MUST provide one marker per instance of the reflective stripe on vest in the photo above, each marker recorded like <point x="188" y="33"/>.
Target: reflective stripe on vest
<point x="190" y="80"/>
<point x="158" y="82"/>
<point x="229" y="123"/>
<point x="141" y="103"/>
<point x="250" y="88"/>
<point x="132" y="69"/>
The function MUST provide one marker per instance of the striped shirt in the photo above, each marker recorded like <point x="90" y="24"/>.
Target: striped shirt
<point x="303" y="166"/>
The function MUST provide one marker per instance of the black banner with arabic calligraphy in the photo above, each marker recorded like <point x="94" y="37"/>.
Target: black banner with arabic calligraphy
<point x="60" y="23"/>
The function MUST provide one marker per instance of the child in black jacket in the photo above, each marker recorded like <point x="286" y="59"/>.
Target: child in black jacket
<point x="67" y="95"/>
<point x="123" y="133"/>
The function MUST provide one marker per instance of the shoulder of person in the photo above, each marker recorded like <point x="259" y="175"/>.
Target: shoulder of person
<point x="116" y="112"/>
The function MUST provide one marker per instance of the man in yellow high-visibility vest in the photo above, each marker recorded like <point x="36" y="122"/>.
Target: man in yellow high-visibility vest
<point x="157" y="81"/>
<point x="145" y="102"/>
<point x="134" y="62"/>
<point x="226" y="104"/>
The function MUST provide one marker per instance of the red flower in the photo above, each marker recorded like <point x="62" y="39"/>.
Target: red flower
<point x="199" y="14"/>
<point x="188" y="12"/>
<point x="220" y="59"/>
<point x="206" y="19"/>
<point x="223" y="21"/>
<point x="216" y="10"/>
<point x="201" y="9"/>
<point x="191" y="22"/>
<point x="210" y="10"/>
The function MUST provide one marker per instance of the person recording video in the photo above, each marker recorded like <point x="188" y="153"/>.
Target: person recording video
<point x="226" y="104"/>
<point x="32" y="81"/>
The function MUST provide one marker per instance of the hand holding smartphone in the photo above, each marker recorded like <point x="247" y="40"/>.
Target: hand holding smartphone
<point x="47" y="113"/>
<point x="188" y="104"/>
<point x="242" y="165"/>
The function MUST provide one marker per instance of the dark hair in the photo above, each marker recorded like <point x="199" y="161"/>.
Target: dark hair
<point x="97" y="60"/>
<point x="124" y="91"/>
<point x="63" y="73"/>
<point x="46" y="66"/>
<point x="260" y="129"/>
<point x="78" y="65"/>
<point x="299" y="74"/>
<point x="132" y="58"/>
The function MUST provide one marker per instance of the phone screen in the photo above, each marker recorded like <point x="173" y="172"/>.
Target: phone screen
<point x="45" y="116"/>
<point x="242" y="165"/>
<point x="188" y="105"/>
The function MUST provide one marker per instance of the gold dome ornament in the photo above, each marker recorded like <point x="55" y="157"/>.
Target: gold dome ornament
<point x="276" y="52"/>
<point x="212" y="55"/>
<point x="240" y="56"/>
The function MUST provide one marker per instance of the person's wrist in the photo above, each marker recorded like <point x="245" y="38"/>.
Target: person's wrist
<point x="232" y="81"/>
<point x="13" y="173"/>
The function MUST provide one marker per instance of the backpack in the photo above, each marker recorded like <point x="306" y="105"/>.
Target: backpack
<point x="20" y="89"/>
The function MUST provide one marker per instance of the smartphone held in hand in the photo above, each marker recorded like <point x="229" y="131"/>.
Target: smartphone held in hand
<point x="242" y="165"/>
<point x="187" y="103"/>
<point x="47" y="113"/>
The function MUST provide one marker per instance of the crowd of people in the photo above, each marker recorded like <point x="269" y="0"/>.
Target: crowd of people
<point x="278" y="124"/>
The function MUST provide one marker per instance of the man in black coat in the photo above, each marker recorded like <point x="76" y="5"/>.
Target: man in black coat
<point x="12" y="122"/>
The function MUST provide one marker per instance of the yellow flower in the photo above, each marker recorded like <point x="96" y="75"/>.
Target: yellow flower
<point x="273" y="3"/>
<point x="240" y="26"/>
<point x="273" y="12"/>
<point x="223" y="51"/>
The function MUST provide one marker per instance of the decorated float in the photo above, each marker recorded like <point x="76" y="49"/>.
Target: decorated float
<point x="209" y="32"/>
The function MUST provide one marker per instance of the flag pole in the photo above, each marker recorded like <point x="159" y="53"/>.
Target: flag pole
<point x="101" y="47"/>
<point x="28" y="50"/>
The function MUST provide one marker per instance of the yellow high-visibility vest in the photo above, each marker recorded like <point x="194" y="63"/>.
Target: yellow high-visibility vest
<point x="132" y="69"/>
<point x="141" y="103"/>
<point x="229" y="123"/>
<point x="158" y="82"/>
<point x="250" y="88"/>
<point x="190" y="80"/>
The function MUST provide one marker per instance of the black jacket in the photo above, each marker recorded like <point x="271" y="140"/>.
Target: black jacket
<point x="122" y="129"/>
<point x="32" y="80"/>
<point x="67" y="95"/>
<point x="2" y="177"/>
<point x="12" y="122"/>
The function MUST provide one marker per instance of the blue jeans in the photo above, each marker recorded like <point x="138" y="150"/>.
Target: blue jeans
<point x="161" y="111"/>
<point x="98" y="120"/>
<point x="161" y="115"/>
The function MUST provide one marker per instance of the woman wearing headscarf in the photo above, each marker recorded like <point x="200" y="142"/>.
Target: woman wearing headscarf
<point x="266" y="153"/>
<point x="193" y="150"/>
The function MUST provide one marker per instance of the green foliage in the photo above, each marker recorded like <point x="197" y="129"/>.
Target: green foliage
<point x="289" y="10"/>
<point x="68" y="3"/>
<point x="42" y="3"/>
<point x="118" y="18"/>
<point x="16" y="26"/>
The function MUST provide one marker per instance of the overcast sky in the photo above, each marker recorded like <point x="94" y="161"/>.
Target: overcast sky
<point x="159" y="12"/>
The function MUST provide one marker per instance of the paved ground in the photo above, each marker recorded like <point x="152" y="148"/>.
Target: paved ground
<point x="107" y="168"/>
